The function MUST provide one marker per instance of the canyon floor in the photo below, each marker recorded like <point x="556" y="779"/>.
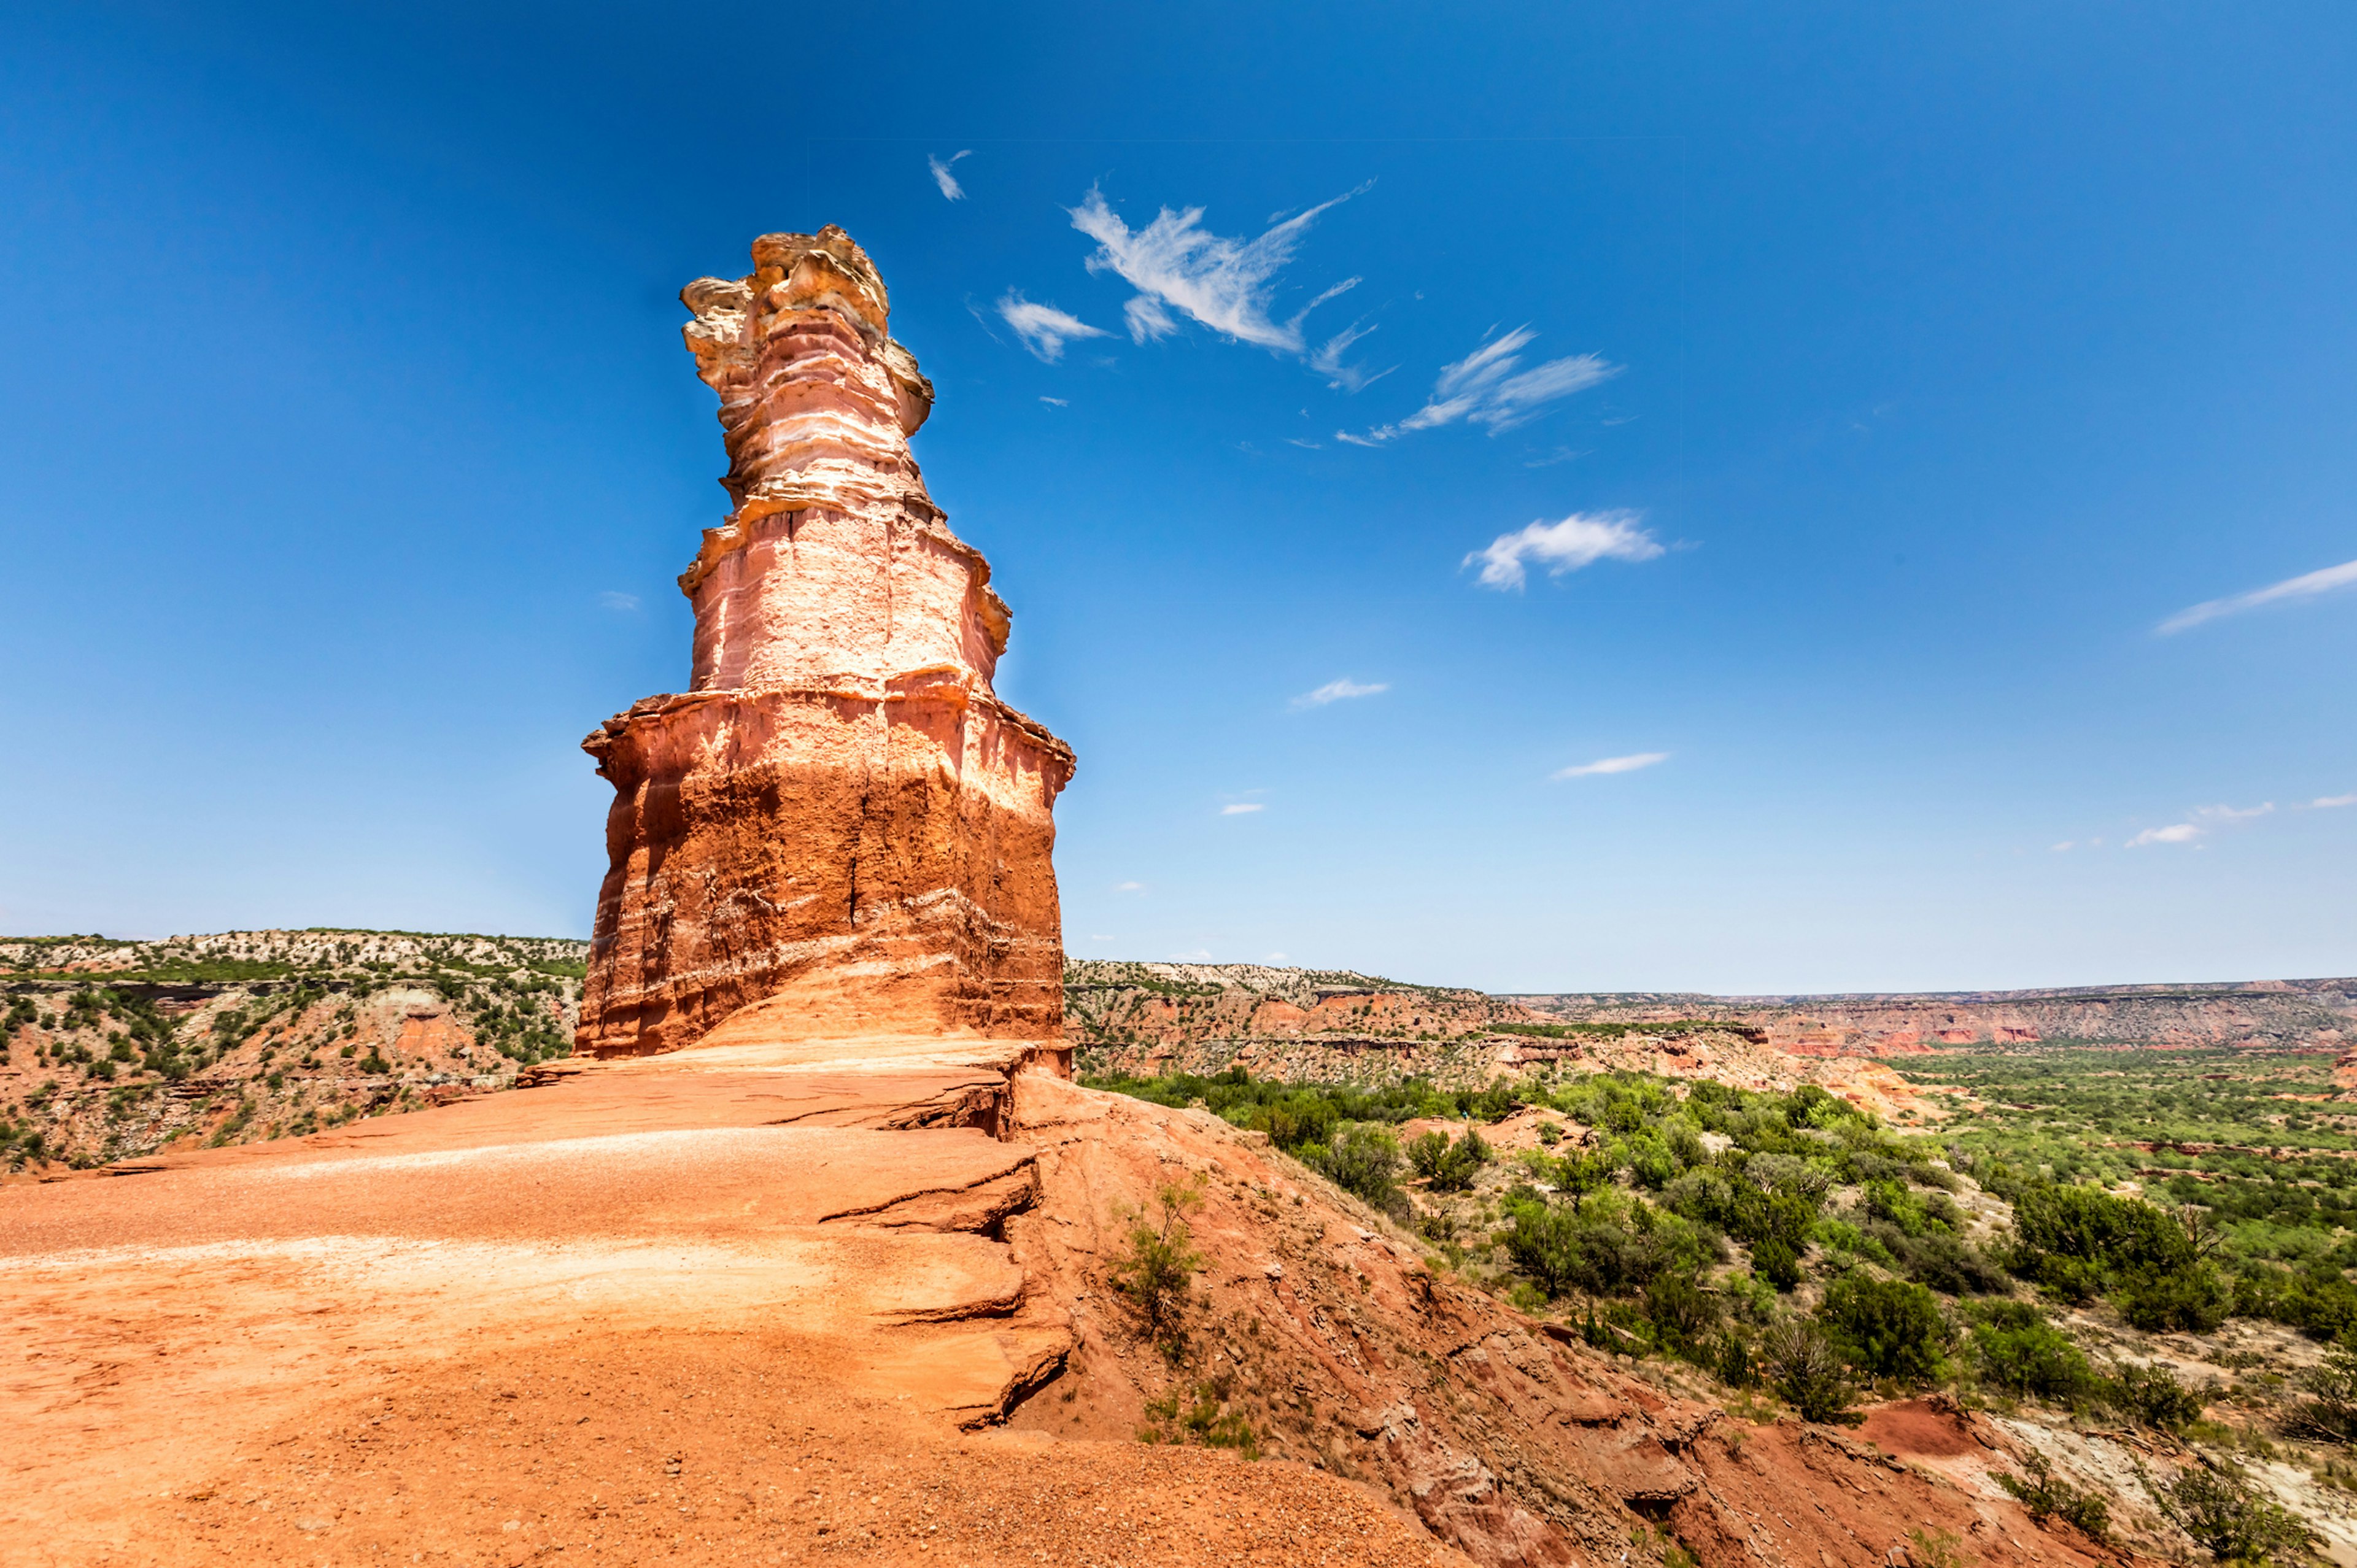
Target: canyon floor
<point x="768" y="1300"/>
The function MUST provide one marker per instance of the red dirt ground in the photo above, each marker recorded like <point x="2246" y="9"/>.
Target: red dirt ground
<point x="826" y="1297"/>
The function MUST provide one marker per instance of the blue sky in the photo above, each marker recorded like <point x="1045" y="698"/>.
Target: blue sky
<point x="1827" y="418"/>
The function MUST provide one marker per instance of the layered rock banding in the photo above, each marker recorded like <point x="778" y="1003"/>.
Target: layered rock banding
<point x="839" y="821"/>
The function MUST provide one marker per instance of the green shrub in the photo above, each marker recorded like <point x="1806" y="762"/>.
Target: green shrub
<point x="1200" y="1417"/>
<point x="1364" y="1161"/>
<point x="1947" y="1264"/>
<point x="1296" y="1120"/>
<point x="1891" y="1329"/>
<point x="1157" y="1265"/>
<point x="1776" y="1261"/>
<point x="1612" y="1245"/>
<point x="1650" y="1160"/>
<point x="2152" y="1396"/>
<point x="2016" y="1349"/>
<point x="1734" y="1363"/>
<point x="2329" y="1412"/>
<point x="1804" y="1366"/>
<point x="2191" y="1297"/>
<point x="2081" y="1243"/>
<point x="2045" y="1495"/>
<point x="2223" y="1515"/>
<point x="1840" y="1236"/>
<point x="1904" y="1207"/>
<point x="1682" y="1314"/>
<point x="1449" y="1167"/>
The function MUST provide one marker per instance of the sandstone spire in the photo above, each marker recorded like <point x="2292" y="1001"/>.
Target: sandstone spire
<point x="839" y="821"/>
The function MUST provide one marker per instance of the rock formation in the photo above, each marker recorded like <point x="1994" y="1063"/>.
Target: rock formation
<point x="839" y="820"/>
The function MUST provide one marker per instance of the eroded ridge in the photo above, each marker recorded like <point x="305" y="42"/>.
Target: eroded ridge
<point x="839" y="815"/>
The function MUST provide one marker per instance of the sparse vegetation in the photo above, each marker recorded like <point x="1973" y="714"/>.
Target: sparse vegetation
<point x="2330" y="1410"/>
<point x="2047" y="1496"/>
<point x="2227" y="1517"/>
<point x="1363" y="1159"/>
<point x="1201" y="1414"/>
<point x="1806" y="1368"/>
<point x="1157" y="1263"/>
<point x="1449" y="1165"/>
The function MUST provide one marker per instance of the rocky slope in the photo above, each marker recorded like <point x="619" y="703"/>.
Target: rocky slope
<point x="769" y="1300"/>
<point x="1192" y="1005"/>
<point x="1144" y="1020"/>
<point x="115" y="1049"/>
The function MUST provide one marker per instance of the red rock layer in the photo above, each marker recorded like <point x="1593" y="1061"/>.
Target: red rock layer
<point x="840" y="819"/>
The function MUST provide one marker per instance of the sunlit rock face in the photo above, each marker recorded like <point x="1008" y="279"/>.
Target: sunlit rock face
<point x="839" y="820"/>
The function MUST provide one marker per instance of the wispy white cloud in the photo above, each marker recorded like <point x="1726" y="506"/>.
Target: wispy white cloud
<point x="2327" y="802"/>
<point x="1612" y="765"/>
<point x="2306" y="586"/>
<point x="2201" y="821"/>
<point x="1100" y="939"/>
<point x="1200" y="955"/>
<point x="1304" y="446"/>
<point x="2065" y="845"/>
<point x="1336" y="691"/>
<point x="1129" y="886"/>
<point x="614" y="601"/>
<point x="1345" y="287"/>
<point x="1148" y="322"/>
<point x="1489" y="388"/>
<point x="1327" y="361"/>
<point x="1227" y="284"/>
<point x="1580" y="540"/>
<point x="1044" y="328"/>
<point x="1241" y="808"/>
<point x="942" y="178"/>
<point x="1054" y="402"/>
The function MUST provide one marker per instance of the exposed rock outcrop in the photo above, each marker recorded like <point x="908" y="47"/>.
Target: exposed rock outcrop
<point x="839" y="820"/>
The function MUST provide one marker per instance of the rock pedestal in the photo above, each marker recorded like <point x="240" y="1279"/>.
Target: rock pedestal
<point x="839" y="821"/>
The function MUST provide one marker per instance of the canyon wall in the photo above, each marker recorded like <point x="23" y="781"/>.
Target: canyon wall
<point x="2310" y="1014"/>
<point x="839" y="820"/>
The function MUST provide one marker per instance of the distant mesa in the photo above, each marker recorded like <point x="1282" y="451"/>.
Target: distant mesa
<point x="839" y="818"/>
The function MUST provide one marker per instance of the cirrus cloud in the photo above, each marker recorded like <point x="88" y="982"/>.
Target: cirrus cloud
<point x="942" y="178"/>
<point x="1044" y="328"/>
<point x="1174" y="261"/>
<point x="1339" y="691"/>
<point x="1488" y="387"/>
<point x="1604" y="765"/>
<point x="2305" y="586"/>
